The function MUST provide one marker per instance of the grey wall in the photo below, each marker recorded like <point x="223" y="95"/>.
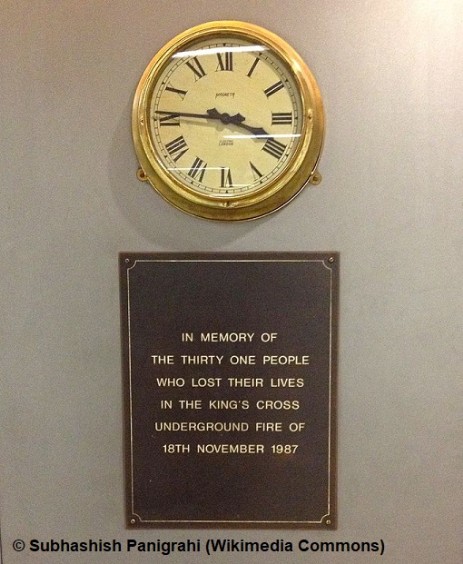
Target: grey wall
<point x="390" y="202"/>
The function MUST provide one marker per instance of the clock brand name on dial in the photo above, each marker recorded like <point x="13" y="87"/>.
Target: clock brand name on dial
<point x="225" y="95"/>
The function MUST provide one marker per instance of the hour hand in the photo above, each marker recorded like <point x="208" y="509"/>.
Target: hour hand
<point x="256" y="131"/>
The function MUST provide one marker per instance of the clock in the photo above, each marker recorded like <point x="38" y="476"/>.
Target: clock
<point x="228" y="122"/>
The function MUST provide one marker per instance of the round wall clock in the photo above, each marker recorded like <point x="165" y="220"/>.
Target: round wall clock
<point x="228" y="122"/>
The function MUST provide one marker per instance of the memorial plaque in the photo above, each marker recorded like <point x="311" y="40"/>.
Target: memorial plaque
<point x="229" y="366"/>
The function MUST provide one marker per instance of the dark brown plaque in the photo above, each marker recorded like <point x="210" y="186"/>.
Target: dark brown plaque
<point x="229" y="365"/>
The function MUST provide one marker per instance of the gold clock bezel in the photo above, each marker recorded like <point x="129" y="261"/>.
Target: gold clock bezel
<point x="301" y="167"/>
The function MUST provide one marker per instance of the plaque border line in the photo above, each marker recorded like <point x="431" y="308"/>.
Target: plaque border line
<point x="330" y="261"/>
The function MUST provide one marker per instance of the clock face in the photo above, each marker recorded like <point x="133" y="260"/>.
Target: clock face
<point x="224" y="119"/>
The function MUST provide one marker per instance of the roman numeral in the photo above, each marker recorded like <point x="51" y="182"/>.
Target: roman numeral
<point x="177" y="147"/>
<point x="280" y="118"/>
<point x="181" y="93"/>
<point x="257" y="174"/>
<point x="274" y="148"/>
<point x="225" y="178"/>
<point x="196" y="67"/>
<point x="271" y="90"/>
<point x="171" y="119"/>
<point x="225" y="61"/>
<point x="198" y="169"/>
<point x="253" y="66"/>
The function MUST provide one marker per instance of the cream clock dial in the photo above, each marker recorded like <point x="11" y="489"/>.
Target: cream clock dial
<point x="227" y="122"/>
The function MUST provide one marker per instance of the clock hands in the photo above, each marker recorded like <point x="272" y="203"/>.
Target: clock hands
<point x="237" y="119"/>
<point x="225" y="118"/>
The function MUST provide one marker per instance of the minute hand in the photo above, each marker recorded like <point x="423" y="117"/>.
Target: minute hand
<point x="210" y="114"/>
<point x="184" y="114"/>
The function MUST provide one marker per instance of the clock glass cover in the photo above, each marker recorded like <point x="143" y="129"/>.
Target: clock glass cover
<point x="228" y="122"/>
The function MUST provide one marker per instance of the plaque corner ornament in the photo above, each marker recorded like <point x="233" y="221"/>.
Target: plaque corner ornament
<point x="228" y="122"/>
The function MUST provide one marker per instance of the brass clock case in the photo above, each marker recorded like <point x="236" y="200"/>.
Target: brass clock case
<point x="294" y="169"/>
